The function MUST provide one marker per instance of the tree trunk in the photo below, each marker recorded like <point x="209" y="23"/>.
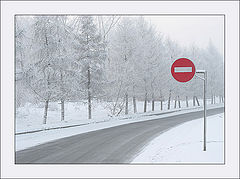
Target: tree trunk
<point x="161" y="103"/>
<point x="179" y="103"/>
<point x="175" y="102"/>
<point x="194" y="101"/>
<point x="145" y="103"/>
<point x="212" y="100"/>
<point x="186" y="101"/>
<point x="134" y="104"/>
<point x="62" y="110"/>
<point x="169" y="99"/>
<point x="197" y="101"/>
<point x="45" y="112"/>
<point x="153" y="102"/>
<point x="89" y="96"/>
<point x="134" y="100"/>
<point x="62" y="100"/>
<point x="126" y="104"/>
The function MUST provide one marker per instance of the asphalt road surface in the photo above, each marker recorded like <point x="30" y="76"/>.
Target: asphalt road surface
<point x="115" y="145"/>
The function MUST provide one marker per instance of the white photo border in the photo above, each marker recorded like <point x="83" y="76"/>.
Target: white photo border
<point x="230" y="11"/>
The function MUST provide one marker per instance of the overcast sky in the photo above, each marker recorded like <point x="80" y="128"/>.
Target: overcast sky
<point x="187" y="30"/>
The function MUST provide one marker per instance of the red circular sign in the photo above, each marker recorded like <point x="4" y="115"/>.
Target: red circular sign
<point x="183" y="70"/>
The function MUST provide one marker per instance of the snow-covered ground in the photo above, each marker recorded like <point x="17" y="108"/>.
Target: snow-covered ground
<point x="31" y="139"/>
<point x="184" y="144"/>
<point x="30" y="116"/>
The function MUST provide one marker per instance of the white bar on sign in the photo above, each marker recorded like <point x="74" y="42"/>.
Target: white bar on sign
<point x="182" y="69"/>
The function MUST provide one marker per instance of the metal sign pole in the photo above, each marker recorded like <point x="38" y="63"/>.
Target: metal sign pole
<point x="204" y="106"/>
<point x="205" y="110"/>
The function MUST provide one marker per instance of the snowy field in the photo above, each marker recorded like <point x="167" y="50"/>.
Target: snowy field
<point x="184" y="144"/>
<point x="30" y="116"/>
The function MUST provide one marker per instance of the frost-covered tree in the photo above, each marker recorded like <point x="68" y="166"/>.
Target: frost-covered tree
<point x="123" y="48"/>
<point x="20" y="36"/>
<point x="42" y="75"/>
<point x="172" y="52"/>
<point x="106" y="24"/>
<point x="64" y="57"/>
<point x="149" y="59"/>
<point x="90" y="58"/>
<point x="213" y="63"/>
<point x="22" y="44"/>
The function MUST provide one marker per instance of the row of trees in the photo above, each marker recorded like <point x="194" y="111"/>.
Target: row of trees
<point x="112" y="59"/>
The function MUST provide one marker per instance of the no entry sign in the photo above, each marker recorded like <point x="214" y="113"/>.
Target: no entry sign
<point x="183" y="70"/>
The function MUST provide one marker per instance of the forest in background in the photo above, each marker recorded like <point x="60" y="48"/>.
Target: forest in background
<point x="112" y="59"/>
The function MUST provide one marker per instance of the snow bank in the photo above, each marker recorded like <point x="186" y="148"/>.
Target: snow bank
<point x="184" y="144"/>
<point x="29" y="118"/>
